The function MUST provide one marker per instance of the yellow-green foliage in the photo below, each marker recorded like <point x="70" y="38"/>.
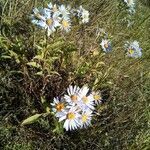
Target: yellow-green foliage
<point x="35" y="68"/>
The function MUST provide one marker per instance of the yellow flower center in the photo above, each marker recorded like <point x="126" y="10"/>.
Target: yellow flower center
<point x="106" y="45"/>
<point x="70" y="116"/>
<point x="131" y="51"/>
<point x="97" y="97"/>
<point x="73" y="98"/>
<point x="49" y="22"/>
<point x="65" y="23"/>
<point x="60" y="106"/>
<point x="84" y="118"/>
<point x="85" y="99"/>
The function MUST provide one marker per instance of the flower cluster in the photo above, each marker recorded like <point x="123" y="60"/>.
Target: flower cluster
<point x="76" y="107"/>
<point x="133" y="49"/>
<point x="55" y="17"/>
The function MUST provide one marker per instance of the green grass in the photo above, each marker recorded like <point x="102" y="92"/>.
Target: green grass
<point x="74" y="58"/>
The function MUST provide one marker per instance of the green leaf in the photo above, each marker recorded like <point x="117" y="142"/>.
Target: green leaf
<point x="39" y="47"/>
<point x="54" y="72"/>
<point x="6" y="57"/>
<point x="15" y="55"/>
<point x="99" y="64"/>
<point x="43" y="100"/>
<point x="40" y="73"/>
<point x="34" y="64"/>
<point x="31" y="119"/>
<point x="39" y="57"/>
<point x="56" y="44"/>
<point x="48" y="109"/>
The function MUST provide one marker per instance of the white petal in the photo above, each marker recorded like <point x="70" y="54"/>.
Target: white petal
<point x="68" y="90"/>
<point x="71" y="90"/>
<point x="66" y="125"/>
<point x="62" y="118"/>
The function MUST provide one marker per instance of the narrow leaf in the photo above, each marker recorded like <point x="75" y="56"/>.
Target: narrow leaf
<point x="31" y="119"/>
<point x="34" y="64"/>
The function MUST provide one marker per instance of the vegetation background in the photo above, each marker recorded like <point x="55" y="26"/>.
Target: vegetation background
<point x="34" y="69"/>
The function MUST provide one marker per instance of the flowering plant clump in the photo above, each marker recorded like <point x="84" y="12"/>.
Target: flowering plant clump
<point x="133" y="49"/>
<point x="76" y="108"/>
<point x="55" y="17"/>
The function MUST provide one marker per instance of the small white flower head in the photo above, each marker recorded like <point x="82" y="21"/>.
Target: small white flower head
<point x="51" y="22"/>
<point x="58" y="107"/>
<point x="65" y="25"/>
<point x="71" y="118"/>
<point x="133" y="49"/>
<point x="50" y="6"/>
<point x="86" y="100"/>
<point x="129" y="2"/>
<point x="72" y="96"/>
<point x="106" y="45"/>
<point x="97" y="97"/>
<point x="83" y="15"/>
<point x="37" y="16"/>
<point x="85" y="119"/>
<point x="131" y="5"/>
<point x="64" y="12"/>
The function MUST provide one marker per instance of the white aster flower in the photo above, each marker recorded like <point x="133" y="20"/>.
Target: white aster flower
<point x="65" y="25"/>
<point x="86" y="101"/>
<point x="72" y="94"/>
<point x="71" y="118"/>
<point x="133" y="49"/>
<point x="106" y="45"/>
<point x="64" y="12"/>
<point x="52" y="9"/>
<point x="37" y="16"/>
<point x="130" y="4"/>
<point x="83" y="15"/>
<point x="85" y="119"/>
<point x="51" y="22"/>
<point x="97" y="97"/>
<point x="50" y="6"/>
<point x="58" y="107"/>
